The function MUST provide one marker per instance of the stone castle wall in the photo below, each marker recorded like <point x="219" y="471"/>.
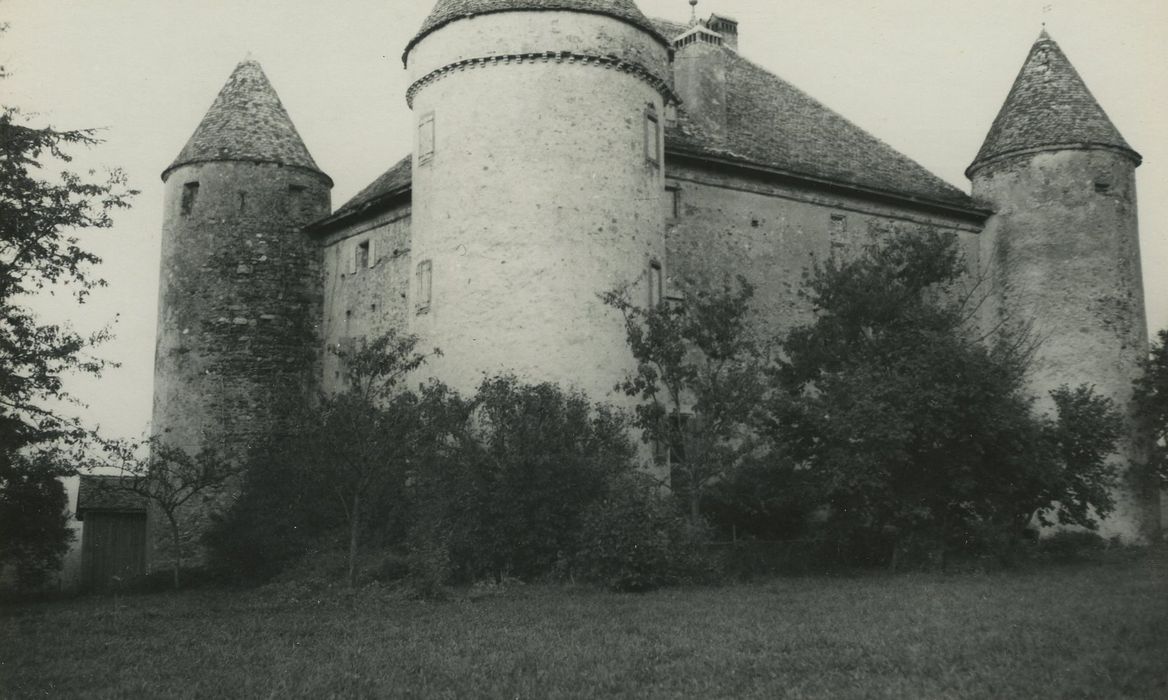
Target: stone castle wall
<point x="1063" y="250"/>
<point x="367" y="275"/>
<point x="772" y="234"/>
<point x="239" y="304"/>
<point x="539" y="194"/>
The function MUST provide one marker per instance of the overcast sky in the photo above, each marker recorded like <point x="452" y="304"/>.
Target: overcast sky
<point x="926" y="76"/>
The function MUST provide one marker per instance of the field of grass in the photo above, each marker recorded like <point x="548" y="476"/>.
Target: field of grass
<point x="1089" y="630"/>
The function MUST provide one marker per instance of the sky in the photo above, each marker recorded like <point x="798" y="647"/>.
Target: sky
<point x="926" y="76"/>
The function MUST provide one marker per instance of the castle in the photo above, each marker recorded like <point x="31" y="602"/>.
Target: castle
<point x="568" y="147"/>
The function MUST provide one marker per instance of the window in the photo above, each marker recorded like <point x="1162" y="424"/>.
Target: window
<point x="652" y="136"/>
<point x="426" y="138"/>
<point x="361" y="256"/>
<point x="1102" y="187"/>
<point x="656" y="284"/>
<point x="189" y="195"/>
<point x="296" y="200"/>
<point x="672" y="202"/>
<point x="425" y="281"/>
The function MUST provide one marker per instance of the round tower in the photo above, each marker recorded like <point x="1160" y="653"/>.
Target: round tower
<point x="537" y="185"/>
<point x="239" y="289"/>
<point x="1063" y="250"/>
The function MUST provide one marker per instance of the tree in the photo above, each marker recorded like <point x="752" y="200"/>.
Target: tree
<point x="34" y="519"/>
<point x="39" y="249"/>
<point x="169" y="478"/>
<point x="365" y="437"/>
<point x="913" y="430"/>
<point x="1150" y="402"/>
<point x="699" y="377"/>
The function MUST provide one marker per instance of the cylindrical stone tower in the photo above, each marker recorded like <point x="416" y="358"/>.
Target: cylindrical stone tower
<point x="537" y="185"/>
<point x="239" y="297"/>
<point x="1063" y="250"/>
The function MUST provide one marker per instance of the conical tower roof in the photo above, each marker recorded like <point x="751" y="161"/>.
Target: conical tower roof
<point x="1049" y="108"/>
<point x="447" y="11"/>
<point x="247" y="122"/>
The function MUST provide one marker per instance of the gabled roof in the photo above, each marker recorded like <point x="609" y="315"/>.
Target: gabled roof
<point x="447" y="11"/>
<point x="246" y="122"/>
<point x="387" y="187"/>
<point x="1049" y="107"/>
<point x="772" y="123"/>
<point x="109" y="494"/>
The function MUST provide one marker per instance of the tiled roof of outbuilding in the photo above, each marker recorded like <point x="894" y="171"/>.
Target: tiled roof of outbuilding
<point x="446" y="11"/>
<point x="246" y="122"/>
<point x="107" y="493"/>
<point x="1049" y="106"/>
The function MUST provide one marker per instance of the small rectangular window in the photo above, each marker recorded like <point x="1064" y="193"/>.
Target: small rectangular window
<point x="652" y="136"/>
<point x="425" y="283"/>
<point x="189" y="195"/>
<point x="656" y="284"/>
<point x="426" y="138"/>
<point x="1102" y="187"/>
<point x="361" y="256"/>
<point x="673" y="202"/>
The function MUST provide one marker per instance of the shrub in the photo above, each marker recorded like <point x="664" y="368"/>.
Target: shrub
<point x="636" y="540"/>
<point x="507" y="499"/>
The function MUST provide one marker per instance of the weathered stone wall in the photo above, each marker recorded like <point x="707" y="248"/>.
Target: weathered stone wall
<point x="538" y="196"/>
<point x="367" y="277"/>
<point x="772" y="234"/>
<point x="1063" y="250"/>
<point x="239" y="304"/>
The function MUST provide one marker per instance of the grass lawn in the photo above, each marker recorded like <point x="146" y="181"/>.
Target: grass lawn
<point x="1090" y="630"/>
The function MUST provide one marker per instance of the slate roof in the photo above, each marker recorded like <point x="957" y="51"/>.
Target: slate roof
<point x="773" y="124"/>
<point x="107" y="493"/>
<point x="246" y="122"/>
<point x="393" y="182"/>
<point x="1049" y="106"/>
<point x="447" y="11"/>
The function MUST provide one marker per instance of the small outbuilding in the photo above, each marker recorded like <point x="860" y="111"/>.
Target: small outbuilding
<point x="113" y="538"/>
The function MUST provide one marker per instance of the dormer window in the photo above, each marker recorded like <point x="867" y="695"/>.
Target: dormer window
<point x="652" y="135"/>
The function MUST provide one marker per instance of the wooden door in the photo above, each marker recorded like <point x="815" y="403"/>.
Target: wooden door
<point x="113" y="549"/>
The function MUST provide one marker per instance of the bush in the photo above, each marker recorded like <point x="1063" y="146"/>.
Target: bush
<point x="636" y="540"/>
<point x="507" y="500"/>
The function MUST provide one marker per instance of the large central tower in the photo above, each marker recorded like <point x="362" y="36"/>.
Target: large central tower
<point x="537" y="184"/>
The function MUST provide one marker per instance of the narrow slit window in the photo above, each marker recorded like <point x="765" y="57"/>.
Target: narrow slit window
<point x="652" y="136"/>
<point x="1102" y="187"/>
<point x="673" y="202"/>
<point x="656" y="284"/>
<point x="425" y="282"/>
<point x="426" y="138"/>
<point x="189" y="195"/>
